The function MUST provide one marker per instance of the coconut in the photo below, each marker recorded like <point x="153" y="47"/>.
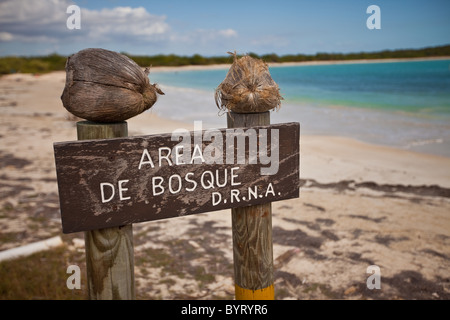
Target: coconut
<point x="248" y="87"/>
<point x="106" y="86"/>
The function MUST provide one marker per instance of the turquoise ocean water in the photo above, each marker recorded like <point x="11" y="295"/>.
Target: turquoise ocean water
<point x="401" y="104"/>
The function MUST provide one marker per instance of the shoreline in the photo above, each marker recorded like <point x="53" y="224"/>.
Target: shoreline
<point x="418" y="126"/>
<point x="139" y="122"/>
<point x="32" y="104"/>
<point x="324" y="121"/>
<point x="291" y="64"/>
<point x="41" y="96"/>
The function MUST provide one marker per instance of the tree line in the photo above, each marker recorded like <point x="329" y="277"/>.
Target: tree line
<point x="54" y="62"/>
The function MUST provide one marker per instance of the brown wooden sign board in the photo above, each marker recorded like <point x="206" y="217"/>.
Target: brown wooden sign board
<point x="113" y="182"/>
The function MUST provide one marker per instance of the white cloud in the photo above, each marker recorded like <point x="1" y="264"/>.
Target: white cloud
<point x="228" y="33"/>
<point x="124" y="23"/>
<point x="44" y="23"/>
<point x="45" y="20"/>
<point x="6" y="36"/>
<point x="32" y="12"/>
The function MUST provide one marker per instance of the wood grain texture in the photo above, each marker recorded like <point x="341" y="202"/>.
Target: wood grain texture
<point x="252" y="228"/>
<point x="109" y="251"/>
<point x="84" y="166"/>
<point x="110" y="263"/>
<point x="87" y="130"/>
<point x="252" y="246"/>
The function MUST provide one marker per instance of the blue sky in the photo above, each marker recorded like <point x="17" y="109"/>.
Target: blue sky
<point x="215" y="27"/>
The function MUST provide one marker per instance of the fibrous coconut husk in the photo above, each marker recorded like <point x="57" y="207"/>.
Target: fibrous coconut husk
<point x="106" y="86"/>
<point x="248" y="87"/>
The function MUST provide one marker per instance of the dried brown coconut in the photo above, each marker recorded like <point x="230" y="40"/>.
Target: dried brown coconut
<point x="248" y="87"/>
<point x="106" y="86"/>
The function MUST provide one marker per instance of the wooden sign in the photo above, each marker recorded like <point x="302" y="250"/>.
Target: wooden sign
<point x="114" y="182"/>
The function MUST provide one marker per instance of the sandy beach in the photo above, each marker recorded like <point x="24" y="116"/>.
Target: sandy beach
<point x="359" y="205"/>
<point x="286" y="64"/>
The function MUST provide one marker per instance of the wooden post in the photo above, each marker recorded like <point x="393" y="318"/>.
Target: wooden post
<point x="109" y="251"/>
<point x="252" y="234"/>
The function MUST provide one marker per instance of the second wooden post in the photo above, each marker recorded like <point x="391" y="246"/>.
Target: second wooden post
<point x="252" y="234"/>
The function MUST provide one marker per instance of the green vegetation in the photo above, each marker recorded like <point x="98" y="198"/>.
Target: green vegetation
<point x="41" y="276"/>
<point x="43" y="64"/>
<point x="53" y="62"/>
<point x="175" y="61"/>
